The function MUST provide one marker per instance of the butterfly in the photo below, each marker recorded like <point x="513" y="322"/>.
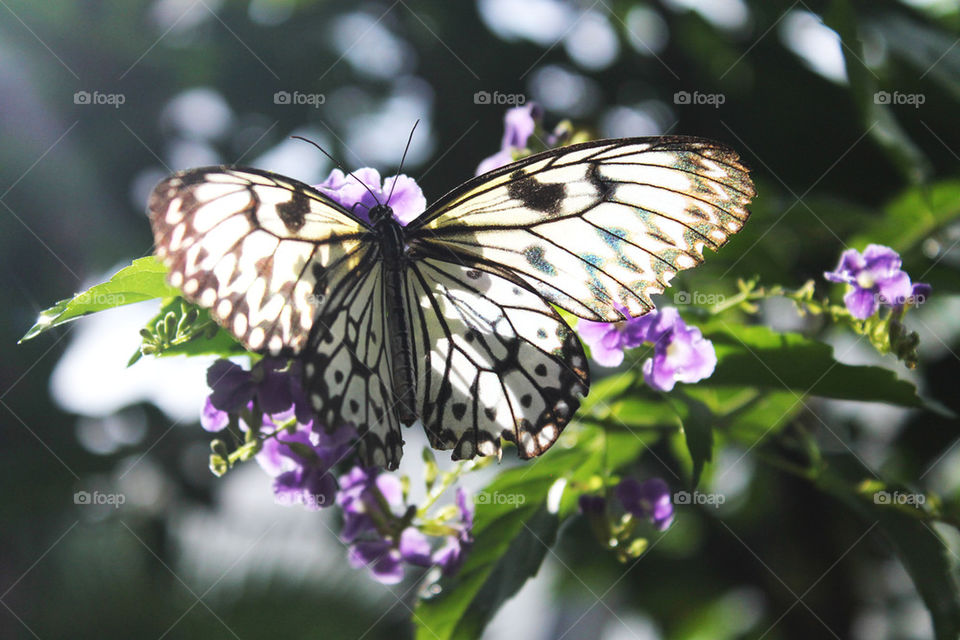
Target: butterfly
<point x="452" y="319"/>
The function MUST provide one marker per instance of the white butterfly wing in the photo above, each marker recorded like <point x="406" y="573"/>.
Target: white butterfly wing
<point x="255" y="248"/>
<point x="347" y="362"/>
<point x="597" y="226"/>
<point x="492" y="359"/>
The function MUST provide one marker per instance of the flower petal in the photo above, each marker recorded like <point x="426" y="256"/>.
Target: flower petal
<point x="407" y="200"/>
<point x="895" y="290"/>
<point x="213" y="419"/>
<point x="603" y="341"/>
<point x="499" y="159"/>
<point x="232" y="386"/>
<point x="861" y="303"/>
<point x="414" y="547"/>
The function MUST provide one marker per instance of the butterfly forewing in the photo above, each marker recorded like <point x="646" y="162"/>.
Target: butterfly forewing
<point x="254" y="248"/>
<point x="493" y="359"/>
<point x="595" y="227"/>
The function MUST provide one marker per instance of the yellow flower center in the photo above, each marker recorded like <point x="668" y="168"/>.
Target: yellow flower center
<point x="865" y="280"/>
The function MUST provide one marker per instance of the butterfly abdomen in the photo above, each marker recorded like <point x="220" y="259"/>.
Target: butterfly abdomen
<point x="401" y="351"/>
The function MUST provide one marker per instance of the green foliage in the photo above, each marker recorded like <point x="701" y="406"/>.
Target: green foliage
<point x="184" y="329"/>
<point x="516" y="526"/>
<point x="144" y="279"/>
<point x="761" y="358"/>
<point x="913" y="215"/>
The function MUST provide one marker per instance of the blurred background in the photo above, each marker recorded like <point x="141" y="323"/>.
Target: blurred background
<point x="100" y="100"/>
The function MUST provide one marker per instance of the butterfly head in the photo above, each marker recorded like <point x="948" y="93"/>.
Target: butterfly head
<point x="380" y="212"/>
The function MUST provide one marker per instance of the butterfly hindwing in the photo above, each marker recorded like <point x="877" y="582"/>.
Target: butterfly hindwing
<point x="254" y="248"/>
<point x="595" y="227"/>
<point x="492" y="359"/>
<point x="347" y="363"/>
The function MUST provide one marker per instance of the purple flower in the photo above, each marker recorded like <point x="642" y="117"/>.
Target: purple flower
<point x="451" y="555"/>
<point x="921" y="291"/>
<point x="271" y="382"/>
<point x="361" y="491"/>
<point x="213" y="419"/>
<point x="381" y="557"/>
<point x="648" y="500"/>
<point x="873" y="278"/>
<point x="607" y="340"/>
<point x="407" y="200"/>
<point x="301" y="464"/>
<point x="680" y="354"/>
<point x="519" y="123"/>
<point x="379" y="531"/>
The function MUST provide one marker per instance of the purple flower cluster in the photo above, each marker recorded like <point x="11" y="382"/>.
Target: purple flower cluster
<point x="681" y="353"/>
<point x="272" y="383"/>
<point x="295" y="451"/>
<point x="875" y="278"/>
<point x="407" y="199"/>
<point x="377" y="525"/>
<point x="648" y="500"/>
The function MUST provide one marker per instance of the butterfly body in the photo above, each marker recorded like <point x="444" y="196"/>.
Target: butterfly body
<point x="450" y="319"/>
<point x="393" y="257"/>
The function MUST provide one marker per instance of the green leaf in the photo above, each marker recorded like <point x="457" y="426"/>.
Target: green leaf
<point x="924" y="554"/>
<point x="760" y="357"/>
<point x="514" y="530"/>
<point x="698" y="434"/>
<point x="913" y="215"/>
<point x="144" y="279"/>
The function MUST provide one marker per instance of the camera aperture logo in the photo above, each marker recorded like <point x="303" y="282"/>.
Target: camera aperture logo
<point x="496" y="497"/>
<point x="698" y="298"/>
<point x="697" y="98"/>
<point x="297" y="98"/>
<point x="898" y="98"/>
<point x="97" y="98"/>
<point x="710" y="499"/>
<point x="497" y="98"/>
<point x="915" y="500"/>
<point x="85" y="498"/>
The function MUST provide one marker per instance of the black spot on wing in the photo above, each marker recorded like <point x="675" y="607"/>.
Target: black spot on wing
<point x="293" y="212"/>
<point x="540" y="196"/>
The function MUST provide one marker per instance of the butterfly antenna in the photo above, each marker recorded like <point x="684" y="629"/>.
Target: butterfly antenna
<point x="340" y="166"/>
<point x="402" y="158"/>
